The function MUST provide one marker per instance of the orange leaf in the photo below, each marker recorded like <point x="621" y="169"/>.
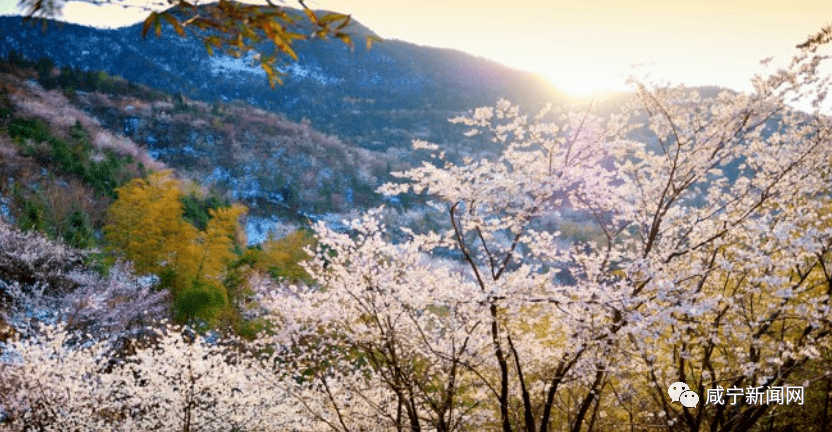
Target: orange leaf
<point x="154" y="16"/>
<point x="344" y="23"/>
<point x="173" y="22"/>
<point x="293" y="36"/>
<point x="372" y="39"/>
<point x="270" y="73"/>
<point x="310" y="14"/>
<point x="285" y="46"/>
<point x="344" y="38"/>
<point x="333" y="17"/>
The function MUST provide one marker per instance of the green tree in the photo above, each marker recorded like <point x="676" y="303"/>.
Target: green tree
<point x="44" y="67"/>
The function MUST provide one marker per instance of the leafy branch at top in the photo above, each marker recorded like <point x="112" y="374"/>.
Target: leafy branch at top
<point x="239" y="29"/>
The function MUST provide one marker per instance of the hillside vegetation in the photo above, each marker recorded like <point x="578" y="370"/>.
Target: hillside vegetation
<point x="76" y="183"/>
<point x="575" y="262"/>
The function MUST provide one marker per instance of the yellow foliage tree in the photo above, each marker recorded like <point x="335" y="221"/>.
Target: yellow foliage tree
<point x="145" y="223"/>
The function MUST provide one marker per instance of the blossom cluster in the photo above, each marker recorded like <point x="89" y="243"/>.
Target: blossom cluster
<point x="58" y="381"/>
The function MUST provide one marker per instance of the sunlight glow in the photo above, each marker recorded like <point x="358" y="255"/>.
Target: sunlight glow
<point x="578" y="86"/>
<point x="578" y="81"/>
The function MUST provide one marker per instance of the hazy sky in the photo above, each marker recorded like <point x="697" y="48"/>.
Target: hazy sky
<point x="580" y="46"/>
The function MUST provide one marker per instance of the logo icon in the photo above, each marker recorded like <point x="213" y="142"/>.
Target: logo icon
<point x="689" y="399"/>
<point x="681" y="392"/>
<point x="676" y="389"/>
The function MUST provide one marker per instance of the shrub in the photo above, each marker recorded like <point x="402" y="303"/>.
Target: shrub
<point x="196" y="210"/>
<point x="103" y="170"/>
<point x="77" y="230"/>
<point x="66" y="211"/>
<point x="202" y="301"/>
<point x="34" y="129"/>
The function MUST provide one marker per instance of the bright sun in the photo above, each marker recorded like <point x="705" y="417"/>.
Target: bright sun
<point x="577" y="85"/>
<point x="584" y="82"/>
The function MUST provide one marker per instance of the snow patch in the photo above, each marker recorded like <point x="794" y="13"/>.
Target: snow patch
<point x="5" y="211"/>
<point x="223" y="64"/>
<point x="219" y="175"/>
<point x="310" y="73"/>
<point x="259" y="229"/>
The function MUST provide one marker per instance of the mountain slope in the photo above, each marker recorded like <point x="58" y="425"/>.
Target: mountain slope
<point x="384" y="97"/>
<point x="54" y="142"/>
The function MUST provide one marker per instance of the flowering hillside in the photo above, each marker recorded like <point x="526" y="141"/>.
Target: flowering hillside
<point x="700" y="298"/>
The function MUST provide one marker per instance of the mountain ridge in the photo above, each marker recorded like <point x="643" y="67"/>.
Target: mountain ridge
<point x="353" y="93"/>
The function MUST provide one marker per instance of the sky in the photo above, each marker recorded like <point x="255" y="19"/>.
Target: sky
<point x="582" y="47"/>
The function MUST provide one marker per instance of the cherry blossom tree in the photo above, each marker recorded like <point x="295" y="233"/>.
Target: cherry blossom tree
<point x="56" y="380"/>
<point x="711" y="268"/>
<point x="43" y="281"/>
<point x="744" y="258"/>
<point x="389" y="355"/>
<point x="30" y="259"/>
<point x="46" y="385"/>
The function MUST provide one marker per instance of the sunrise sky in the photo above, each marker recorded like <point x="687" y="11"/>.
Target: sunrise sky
<point x="580" y="46"/>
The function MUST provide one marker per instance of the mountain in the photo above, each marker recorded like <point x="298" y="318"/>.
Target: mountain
<point x="376" y="99"/>
<point x="278" y="168"/>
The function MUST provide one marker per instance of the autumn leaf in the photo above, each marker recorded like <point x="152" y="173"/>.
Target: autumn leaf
<point x="173" y="22"/>
<point x="149" y="21"/>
